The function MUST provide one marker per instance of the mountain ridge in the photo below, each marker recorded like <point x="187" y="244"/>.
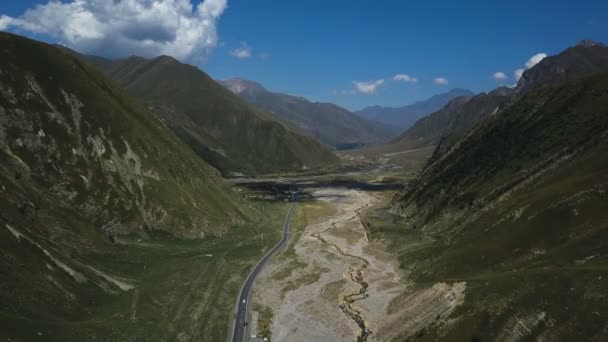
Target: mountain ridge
<point x="223" y="129"/>
<point x="327" y="122"/>
<point x="447" y="125"/>
<point x="405" y="116"/>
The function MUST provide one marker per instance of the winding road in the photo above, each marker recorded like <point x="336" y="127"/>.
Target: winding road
<point x="239" y="333"/>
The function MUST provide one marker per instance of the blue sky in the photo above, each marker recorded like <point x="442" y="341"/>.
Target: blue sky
<point x="318" y="48"/>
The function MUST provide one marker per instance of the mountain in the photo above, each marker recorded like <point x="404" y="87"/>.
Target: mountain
<point x="585" y="58"/>
<point x="91" y="183"/>
<point x="222" y="128"/>
<point x="515" y="211"/>
<point x="447" y="125"/>
<point x="454" y="119"/>
<point x="404" y="117"/>
<point x="326" y="122"/>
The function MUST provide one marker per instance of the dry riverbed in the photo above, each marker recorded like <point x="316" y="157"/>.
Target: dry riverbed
<point x="333" y="284"/>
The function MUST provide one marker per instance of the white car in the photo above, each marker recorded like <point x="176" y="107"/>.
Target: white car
<point x="244" y="301"/>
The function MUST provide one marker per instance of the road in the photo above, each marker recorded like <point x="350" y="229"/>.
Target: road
<point x="240" y="330"/>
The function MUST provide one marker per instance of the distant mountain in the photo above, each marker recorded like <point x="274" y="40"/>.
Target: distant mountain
<point x="326" y="122"/>
<point x="223" y="129"/>
<point x="404" y="117"/>
<point x="454" y="119"/>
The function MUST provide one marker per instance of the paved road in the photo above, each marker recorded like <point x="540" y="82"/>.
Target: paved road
<point x="239" y="333"/>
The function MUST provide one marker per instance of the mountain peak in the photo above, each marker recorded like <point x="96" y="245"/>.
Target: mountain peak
<point x="239" y="85"/>
<point x="586" y="58"/>
<point x="589" y="43"/>
<point x="166" y="59"/>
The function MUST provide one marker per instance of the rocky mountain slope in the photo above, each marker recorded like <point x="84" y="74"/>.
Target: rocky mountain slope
<point x="223" y="129"/>
<point x="516" y="209"/>
<point x="84" y="168"/>
<point x="326" y="122"/>
<point x="405" y="116"/>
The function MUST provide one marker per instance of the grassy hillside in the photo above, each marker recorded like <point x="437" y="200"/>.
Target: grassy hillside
<point x="516" y="211"/>
<point x="429" y="130"/>
<point x="222" y="128"/>
<point x="99" y="206"/>
<point x="326" y="122"/>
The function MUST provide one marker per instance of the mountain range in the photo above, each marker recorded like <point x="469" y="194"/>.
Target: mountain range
<point x="405" y="116"/>
<point x="223" y="129"/>
<point x="326" y="122"/>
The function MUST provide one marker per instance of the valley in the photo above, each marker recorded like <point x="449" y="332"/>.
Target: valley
<point x="142" y="199"/>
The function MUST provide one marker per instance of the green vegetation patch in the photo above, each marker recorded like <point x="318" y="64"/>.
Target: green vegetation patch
<point x="265" y="320"/>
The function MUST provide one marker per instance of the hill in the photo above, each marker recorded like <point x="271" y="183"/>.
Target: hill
<point x="326" y="122"/>
<point x="223" y="129"/>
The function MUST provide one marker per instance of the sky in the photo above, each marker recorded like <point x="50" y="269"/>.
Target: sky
<point x="353" y="53"/>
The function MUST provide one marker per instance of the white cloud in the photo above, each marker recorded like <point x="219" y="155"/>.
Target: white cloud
<point x="4" y="22"/>
<point x="440" y="81"/>
<point x="529" y="64"/>
<point x="185" y="29"/>
<point x="405" y="78"/>
<point x="535" y="59"/>
<point x="368" y="87"/>
<point x="241" y="52"/>
<point x="499" y="76"/>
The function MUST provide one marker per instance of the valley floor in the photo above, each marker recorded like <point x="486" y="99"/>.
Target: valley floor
<point x="333" y="284"/>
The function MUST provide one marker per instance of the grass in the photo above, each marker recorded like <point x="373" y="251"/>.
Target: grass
<point x="185" y="288"/>
<point x="286" y="270"/>
<point x="332" y="291"/>
<point x="298" y="224"/>
<point x="303" y="279"/>
<point x="264" y="320"/>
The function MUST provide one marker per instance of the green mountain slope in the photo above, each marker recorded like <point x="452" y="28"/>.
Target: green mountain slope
<point x="516" y="212"/>
<point x="326" y="122"/>
<point x="429" y="130"/>
<point x="222" y="128"/>
<point x="99" y="202"/>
